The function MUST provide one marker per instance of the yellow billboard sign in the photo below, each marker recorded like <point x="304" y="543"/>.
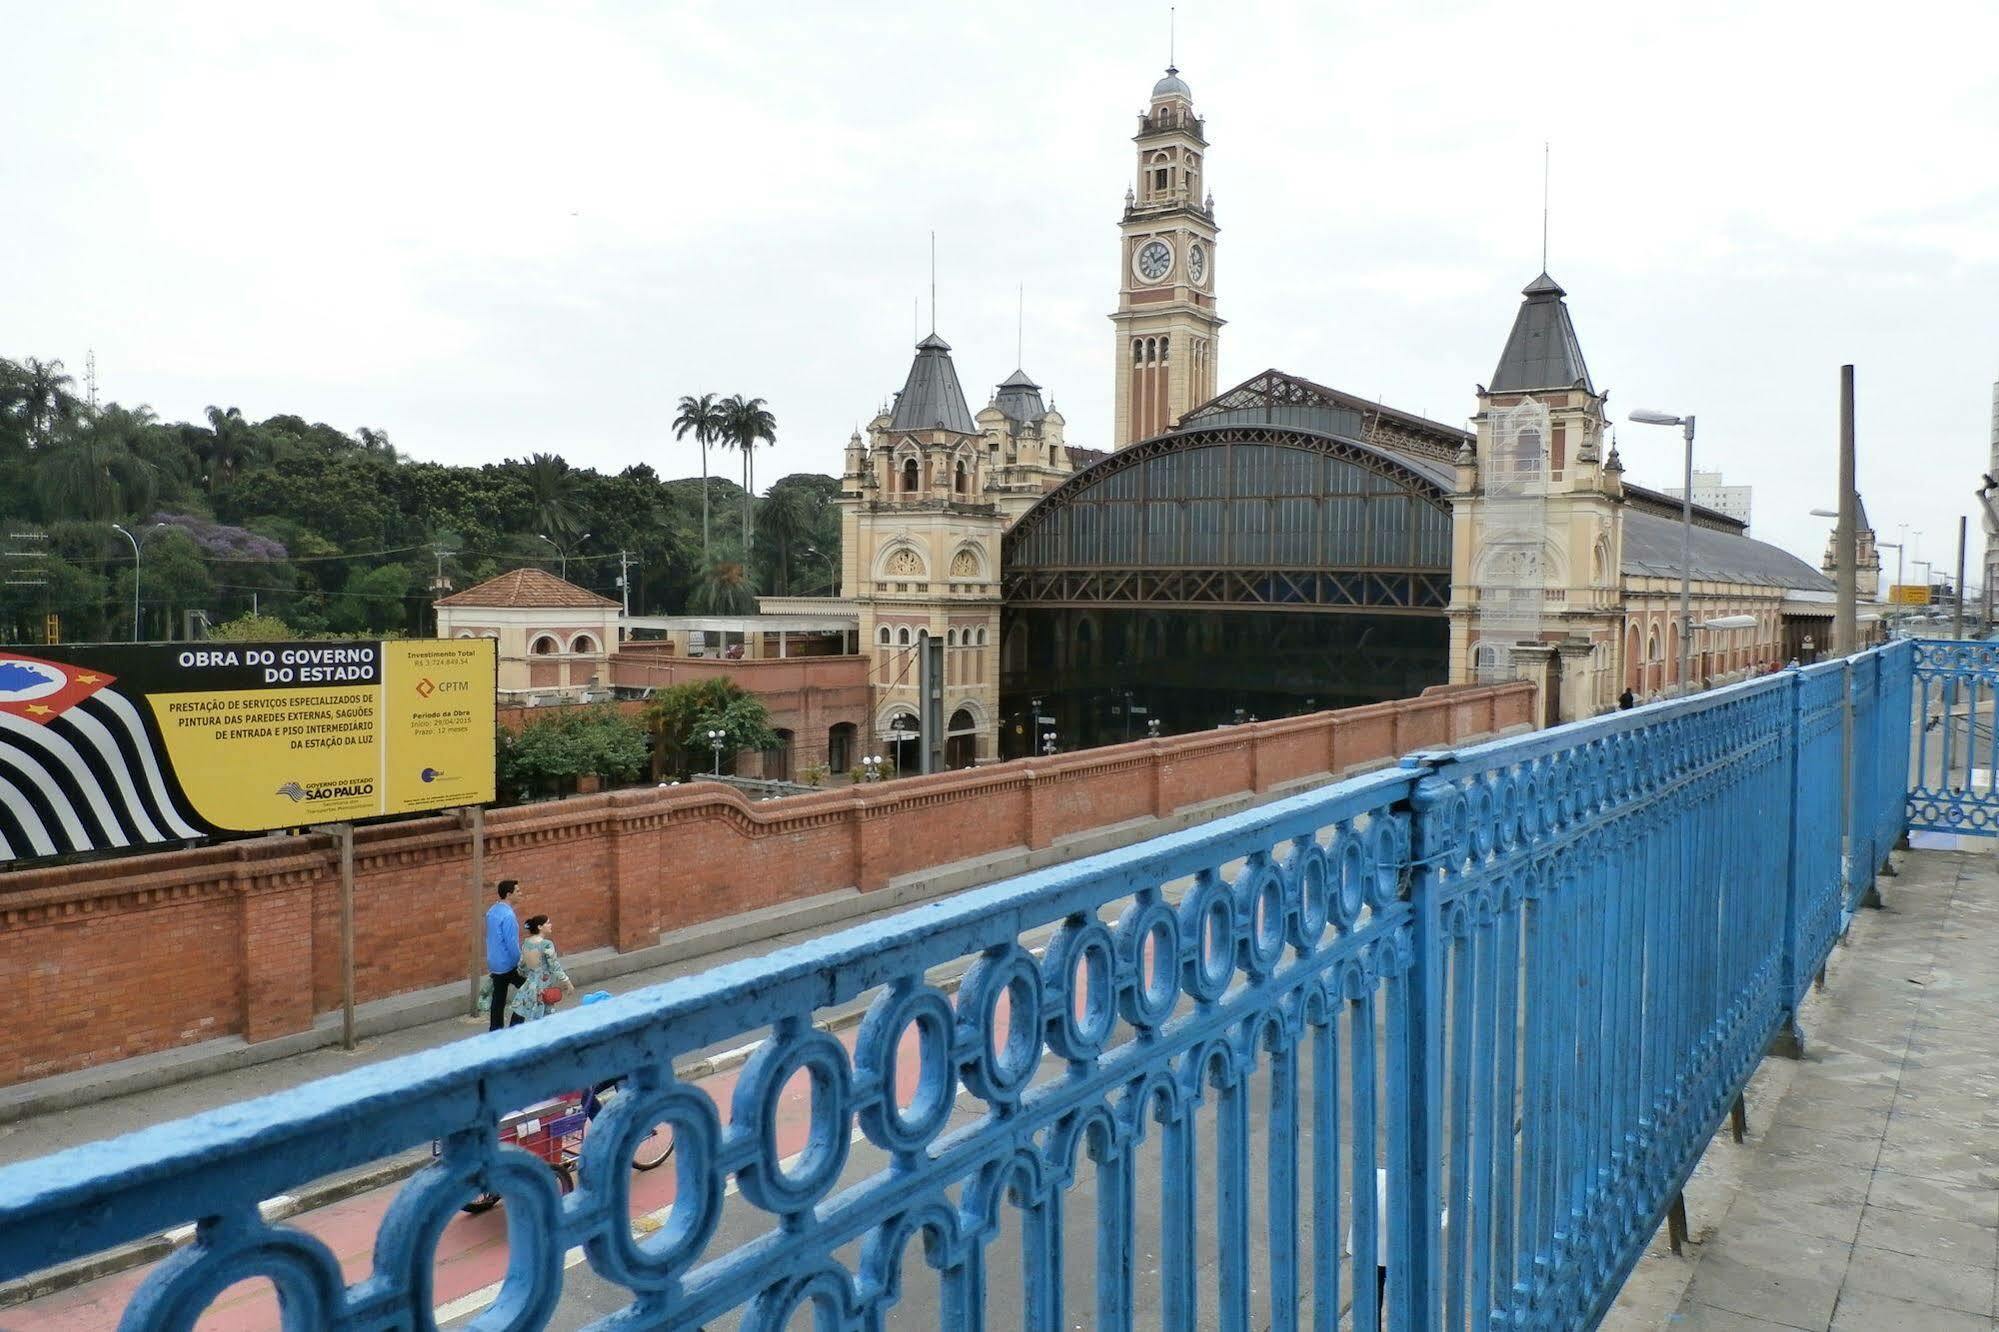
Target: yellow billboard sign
<point x="112" y="746"/>
<point x="1909" y="594"/>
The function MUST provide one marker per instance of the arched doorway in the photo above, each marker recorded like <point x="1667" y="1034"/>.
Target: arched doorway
<point x="840" y="756"/>
<point x="961" y="740"/>
<point x="902" y="746"/>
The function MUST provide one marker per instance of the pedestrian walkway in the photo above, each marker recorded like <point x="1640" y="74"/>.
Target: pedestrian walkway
<point x="1867" y="1194"/>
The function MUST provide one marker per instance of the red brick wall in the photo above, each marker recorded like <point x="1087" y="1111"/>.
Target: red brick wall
<point x="124" y="957"/>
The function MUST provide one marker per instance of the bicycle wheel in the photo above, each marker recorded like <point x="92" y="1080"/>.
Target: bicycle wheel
<point x="654" y="1149"/>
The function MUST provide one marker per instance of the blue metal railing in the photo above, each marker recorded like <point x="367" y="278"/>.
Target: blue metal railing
<point x="1471" y="1021"/>
<point x="1956" y="687"/>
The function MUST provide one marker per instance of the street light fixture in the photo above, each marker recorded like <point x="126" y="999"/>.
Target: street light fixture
<point x="716" y="739"/>
<point x="563" y="553"/>
<point x="135" y="571"/>
<point x="1048" y="744"/>
<point x="1644" y="416"/>
<point x="873" y="764"/>
<point x="832" y="578"/>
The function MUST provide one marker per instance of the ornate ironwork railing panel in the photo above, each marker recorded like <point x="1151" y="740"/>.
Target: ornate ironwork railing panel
<point x="1450" y="1035"/>
<point x="1952" y="788"/>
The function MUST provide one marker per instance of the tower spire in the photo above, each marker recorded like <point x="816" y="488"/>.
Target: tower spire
<point x="1544" y="205"/>
<point x="1171" y="20"/>
<point x="933" y="281"/>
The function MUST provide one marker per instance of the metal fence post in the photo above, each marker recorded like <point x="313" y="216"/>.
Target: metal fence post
<point x="1789" y="1039"/>
<point x="1434" y="839"/>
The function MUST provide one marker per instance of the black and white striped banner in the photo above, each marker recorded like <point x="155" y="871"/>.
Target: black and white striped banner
<point x="87" y="780"/>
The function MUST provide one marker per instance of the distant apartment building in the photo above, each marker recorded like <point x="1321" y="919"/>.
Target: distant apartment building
<point x="1710" y="492"/>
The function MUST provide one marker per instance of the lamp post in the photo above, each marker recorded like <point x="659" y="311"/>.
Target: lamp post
<point x="716" y="739"/>
<point x="135" y="570"/>
<point x="873" y="764"/>
<point x="561" y="553"/>
<point x="832" y="577"/>
<point x="1686" y="424"/>
<point x="1152" y="728"/>
<point x="1048" y="745"/>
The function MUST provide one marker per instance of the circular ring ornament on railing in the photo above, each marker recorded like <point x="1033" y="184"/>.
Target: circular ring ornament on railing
<point x="1148" y="996"/>
<point x="1311" y="873"/>
<point x="1207" y="919"/>
<point x="877" y="1064"/>
<point x="1388" y="851"/>
<point x="1481" y="816"/>
<point x="657" y="1260"/>
<point x="1349" y="863"/>
<point x="302" y="1269"/>
<point x="1081" y="958"/>
<point x="406" y="1245"/>
<point x="1260" y="905"/>
<point x="1508" y="804"/>
<point x="763" y="1180"/>
<point x="997" y="1072"/>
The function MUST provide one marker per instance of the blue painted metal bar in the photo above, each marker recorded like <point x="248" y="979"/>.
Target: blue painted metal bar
<point x="1529" y="976"/>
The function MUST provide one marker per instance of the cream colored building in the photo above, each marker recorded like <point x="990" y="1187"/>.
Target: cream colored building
<point x="923" y="502"/>
<point x="555" y="638"/>
<point x="1168" y="334"/>
<point x="1567" y="574"/>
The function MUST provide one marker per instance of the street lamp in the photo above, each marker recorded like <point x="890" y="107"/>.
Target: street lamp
<point x="1048" y="744"/>
<point x="1152" y="728"/>
<point x="716" y="739"/>
<point x="832" y="579"/>
<point x="1725" y="623"/>
<point x="1686" y="423"/>
<point x="563" y="553"/>
<point x="873" y="764"/>
<point x="135" y="571"/>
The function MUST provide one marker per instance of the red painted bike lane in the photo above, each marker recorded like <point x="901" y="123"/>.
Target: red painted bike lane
<point x="471" y="1253"/>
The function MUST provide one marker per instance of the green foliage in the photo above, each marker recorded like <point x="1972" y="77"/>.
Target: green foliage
<point x="557" y="748"/>
<point x="682" y="715"/>
<point x="252" y="628"/>
<point x="350" y="534"/>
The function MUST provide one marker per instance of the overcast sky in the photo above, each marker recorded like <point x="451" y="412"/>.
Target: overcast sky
<point x="498" y="229"/>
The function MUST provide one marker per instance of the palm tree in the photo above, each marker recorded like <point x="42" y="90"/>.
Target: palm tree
<point x="555" y="488"/>
<point x="703" y="419"/>
<point x="790" y="515"/>
<point x="45" y="391"/>
<point x="747" y="420"/>
<point x="229" y="442"/>
<point x="723" y="587"/>
<point x="95" y="475"/>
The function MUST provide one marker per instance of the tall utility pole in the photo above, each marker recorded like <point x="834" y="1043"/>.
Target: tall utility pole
<point x="1957" y="609"/>
<point x="626" y="563"/>
<point x="1845" y="622"/>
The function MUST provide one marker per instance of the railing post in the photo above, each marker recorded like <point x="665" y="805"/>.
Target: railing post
<point x="1861" y="889"/>
<point x="1789" y="1038"/>
<point x="1436" y="836"/>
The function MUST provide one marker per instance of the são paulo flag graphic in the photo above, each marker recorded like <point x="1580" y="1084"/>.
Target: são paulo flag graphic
<point x="79" y="770"/>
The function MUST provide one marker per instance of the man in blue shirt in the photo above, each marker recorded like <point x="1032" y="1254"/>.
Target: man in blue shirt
<point x="503" y="952"/>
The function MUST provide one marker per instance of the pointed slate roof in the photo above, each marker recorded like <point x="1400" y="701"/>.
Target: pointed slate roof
<point x="527" y="587"/>
<point x="1019" y="398"/>
<point x="1542" y="351"/>
<point x="930" y="397"/>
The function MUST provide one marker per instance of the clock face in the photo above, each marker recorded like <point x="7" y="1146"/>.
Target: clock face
<point x="1154" y="260"/>
<point x="1197" y="262"/>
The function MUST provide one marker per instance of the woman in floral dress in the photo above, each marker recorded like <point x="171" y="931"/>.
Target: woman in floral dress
<point x="541" y="970"/>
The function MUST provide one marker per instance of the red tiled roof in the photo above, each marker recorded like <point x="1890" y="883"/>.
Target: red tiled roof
<point x="526" y="588"/>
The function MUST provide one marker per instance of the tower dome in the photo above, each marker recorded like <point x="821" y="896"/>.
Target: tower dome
<point x="1172" y="84"/>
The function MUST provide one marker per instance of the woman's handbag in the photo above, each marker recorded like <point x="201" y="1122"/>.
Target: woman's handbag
<point x="551" y="995"/>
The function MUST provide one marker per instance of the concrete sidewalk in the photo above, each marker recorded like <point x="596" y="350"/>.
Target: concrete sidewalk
<point x="1867" y="1195"/>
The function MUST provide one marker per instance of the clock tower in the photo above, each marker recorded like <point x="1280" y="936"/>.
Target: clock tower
<point x="1167" y="329"/>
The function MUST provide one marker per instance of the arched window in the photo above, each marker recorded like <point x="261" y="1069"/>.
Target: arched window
<point x="950" y="638"/>
<point x="902" y="636"/>
<point x="884" y="635"/>
<point x="982" y="636"/>
<point x="545" y="646"/>
<point x="1165" y="344"/>
<point x="961" y="480"/>
<point x="909" y="476"/>
<point x="583" y="644"/>
<point x="466" y="633"/>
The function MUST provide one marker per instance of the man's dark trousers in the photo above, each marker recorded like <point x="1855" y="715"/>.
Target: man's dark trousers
<point x="496" y="1013"/>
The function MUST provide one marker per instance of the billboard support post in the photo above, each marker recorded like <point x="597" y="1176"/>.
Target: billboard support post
<point x="478" y="960"/>
<point x="345" y="832"/>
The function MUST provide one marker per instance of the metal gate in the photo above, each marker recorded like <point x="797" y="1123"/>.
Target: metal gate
<point x="1955" y="753"/>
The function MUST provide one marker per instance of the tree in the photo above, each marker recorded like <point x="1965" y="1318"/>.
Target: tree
<point x="555" y="749"/>
<point x="228" y="445"/>
<point x="746" y="422"/>
<point x="94" y="474"/>
<point x="803" y="526"/>
<point x="252" y="628"/>
<point x="682" y="715"/>
<point x="723" y="587"/>
<point x="704" y="420"/>
<point x="46" y="397"/>
<point x="554" y="487"/>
